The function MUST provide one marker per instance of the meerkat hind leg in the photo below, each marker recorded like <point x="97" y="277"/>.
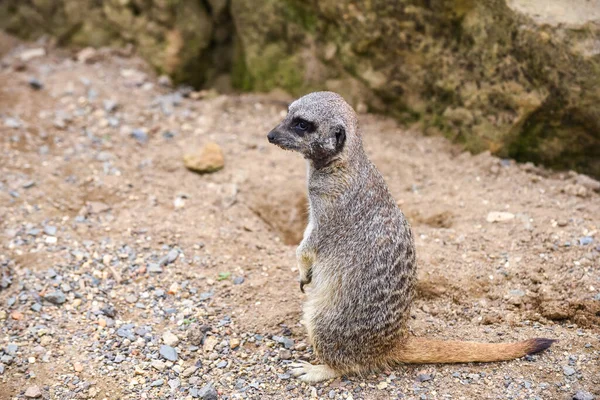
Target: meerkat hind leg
<point x="312" y="373"/>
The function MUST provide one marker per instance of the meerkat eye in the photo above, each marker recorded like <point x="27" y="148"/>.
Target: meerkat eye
<point x="302" y="126"/>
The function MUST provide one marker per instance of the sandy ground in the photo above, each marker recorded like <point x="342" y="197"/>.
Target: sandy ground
<point x="91" y="213"/>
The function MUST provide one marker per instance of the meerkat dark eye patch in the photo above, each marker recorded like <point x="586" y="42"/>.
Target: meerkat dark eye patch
<point x="340" y="138"/>
<point x="302" y="126"/>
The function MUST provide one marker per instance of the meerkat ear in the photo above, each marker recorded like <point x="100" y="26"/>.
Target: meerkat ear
<point x="340" y="137"/>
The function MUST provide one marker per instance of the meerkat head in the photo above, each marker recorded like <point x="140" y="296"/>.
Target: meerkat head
<point x="320" y="126"/>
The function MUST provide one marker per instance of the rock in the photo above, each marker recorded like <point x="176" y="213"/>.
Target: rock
<point x="238" y="280"/>
<point x="30" y="54"/>
<point x="158" y="382"/>
<point x="165" y="81"/>
<point x="209" y="343"/>
<point x="208" y="159"/>
<point x="158" y="365"/>
<point x="285" y="354"/>
<point x="131" y="298"/>
<point x="234" y="343"/>
<point x="585" y="240"/>
<point x="33" y="392"/>
<point x="170" y="338"/>
<point x="581" y="395"/>
<point x="12" y="123"/>
<point x="35" y="84"/>
<point x="16" y="315"/>
<point x="78" y="367"/>
<point x="588" y="182"/>
<point x="51" y="231"/>
<point x="55" y="297"/>
<point x="154" y="268"/>
<point x="208" y="392"/>
<point x="140" y="135"/>
<point x="499" y="216"/>
<point x="168" y="352"/>
<point x="423" y="377"/>
<point x="119" y="358"/>
<point x="568" y="371"/>
<point x="189" y="371"/>
<point x="88" y="55"/>
<point x="11" y="349"/>
<point x="110" y="105"/>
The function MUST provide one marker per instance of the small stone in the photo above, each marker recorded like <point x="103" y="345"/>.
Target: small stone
<point x="158" y="382"/>
<point x="189" y="371"/>
<point x="119" y="358"/>
<point x="12" y="123"/>
<point x="422" y="377"/>
<point x="581" y="395"/>
<point x="11" y="349"/>
<point x="174" y="288"/>
<point x="50" y="230"/>
<point x="209" y="343"/>
<point x="35" y="84"/>
<point x="110" y="105"/>
<point x="131" y="298"/>
<point x="88" y="55"/>
<point x="499" y="216"/>
<point x="174" y="383"/>
<point x="208" y="159"/>
<point x="585" y="240"/>
<point x="382" y="385"/>
<point x="208" y="392"/>
<point x="30" y="54"/>
<point x="170" y="338"/>
<point x="568" y="371"/>
<point x="16" y="315"/>
<point x="154" y="268"/>
<point x="140" y="135"/>
<point x="56" y="297"/>
<point x="158" y="365"/>
<point x="238" y="280"/>
<point x="78" y="367"/>
<point x="234" y="343"/>
<point x="164" y="80"/>
<point x="285" y="354"/>
<point x="168" y="352"/>
<point x="33" y="392"/>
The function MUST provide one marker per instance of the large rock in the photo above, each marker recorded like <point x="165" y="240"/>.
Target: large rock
<point x="519" y="77"/>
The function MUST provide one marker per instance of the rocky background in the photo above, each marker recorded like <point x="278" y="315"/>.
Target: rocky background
<point x="520" y="78"/>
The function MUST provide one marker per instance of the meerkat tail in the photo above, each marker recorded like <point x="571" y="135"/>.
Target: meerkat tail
<point x="429" y="351"/>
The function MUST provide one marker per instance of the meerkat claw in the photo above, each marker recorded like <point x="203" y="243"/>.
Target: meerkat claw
<point x="307" y="372"/>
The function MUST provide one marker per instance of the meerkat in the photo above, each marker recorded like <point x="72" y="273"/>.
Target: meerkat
<point x="358" y="255"/>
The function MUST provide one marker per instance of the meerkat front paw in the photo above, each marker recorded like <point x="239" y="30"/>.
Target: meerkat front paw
<point x="307" y="372"/>
<point x="305" y="279"/>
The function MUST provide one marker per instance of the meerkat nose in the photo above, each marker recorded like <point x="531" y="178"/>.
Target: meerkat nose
<point x="271" y="136"/>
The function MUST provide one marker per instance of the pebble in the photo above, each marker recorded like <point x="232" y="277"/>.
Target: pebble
<point x="208" y="159"/>
<point x="30" y="54"/>
<point x="499" y="216"/>
<point x="33" y="392"/>
<point x="189" y="371"/>
<point x="423" y="377"/>
<point x="55" y="297"/>
<point x="168" y="352"/>
<point x="11" y="349"/>
<point x="12" y="123"/>
<point x="51" y="231"/>
<point x="585" y="240"/>
<point x="131" y="298"/>
<point x="158" y="365"/>
<point x="234" y="343"/>
<point x="154" y="268"/>
<point x="158" y="382"/>
<point x="568" y="371"/>
<point x="35" y="84"/>
<point x="581" y="395"/>
<point x="238" y="280"/>
<point x="140" y="135"/>
<point x="208" y="392"/>
<point x="170" y="338"/>
<point x="78" y="367"/>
